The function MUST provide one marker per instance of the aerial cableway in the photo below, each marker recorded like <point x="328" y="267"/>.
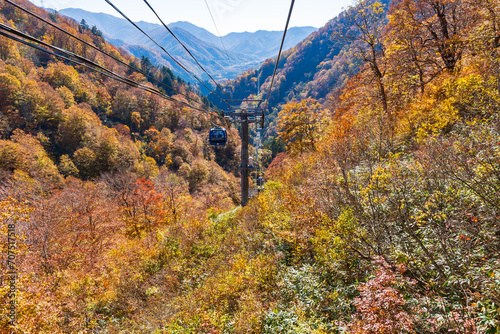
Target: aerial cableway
<point x="244" y="112"/>
<point x="179" y="63"/>
<point x="254" y="112"/>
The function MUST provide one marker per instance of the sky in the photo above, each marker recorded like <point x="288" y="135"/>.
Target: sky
<point x="229" y="15"/>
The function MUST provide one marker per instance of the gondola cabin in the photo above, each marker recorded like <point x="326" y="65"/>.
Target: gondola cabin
<point x="218" y="137"/>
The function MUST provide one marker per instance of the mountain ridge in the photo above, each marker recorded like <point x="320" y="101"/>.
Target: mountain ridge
<point x="239" y="52"/>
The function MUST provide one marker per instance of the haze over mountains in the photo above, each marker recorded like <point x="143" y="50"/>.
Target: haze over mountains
<point x="238" y="52"/>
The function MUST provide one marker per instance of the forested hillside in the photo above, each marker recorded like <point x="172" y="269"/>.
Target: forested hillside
<point x="382" y="216"/>
<point x="311" y="69"/>
<point x="318" y="67"/>
<point x="97" y="166"/>
<point x="385" y="209"/>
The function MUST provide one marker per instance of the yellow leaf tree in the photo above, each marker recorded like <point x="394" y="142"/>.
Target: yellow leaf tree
<point x="300" y="124"/>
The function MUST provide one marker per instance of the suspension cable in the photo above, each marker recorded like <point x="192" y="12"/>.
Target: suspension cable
<point x="185" y="48"/>
<point x="217" y="29"/>
<point x="162" y="48"/>
<point x="279" y="54"/>
<point x="94" y="47"/>
<point x="82" y="61"/>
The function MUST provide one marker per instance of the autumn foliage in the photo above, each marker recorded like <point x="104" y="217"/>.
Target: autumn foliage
<point x="381" y="216"/>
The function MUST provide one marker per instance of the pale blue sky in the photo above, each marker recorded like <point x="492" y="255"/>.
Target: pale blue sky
<point x="229" y="15"/>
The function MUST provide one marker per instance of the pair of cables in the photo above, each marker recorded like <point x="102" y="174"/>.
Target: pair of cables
<point x="69" y="56"/>
<point x="64" y="54"/>
<point x="198" y="63"/>
<point x="76" y="59"/>
<point x="118" y="60"/>
<point x="168" y="53"/>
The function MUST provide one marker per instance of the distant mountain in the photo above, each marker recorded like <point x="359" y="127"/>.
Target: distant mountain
<point x="111" y="26"/>
<point x="240" y="52"/>
<point x="216" y="61"/>
<point x="198" y="32"/>
<point x="265" y="44"/>
<point x="315" y="67"/>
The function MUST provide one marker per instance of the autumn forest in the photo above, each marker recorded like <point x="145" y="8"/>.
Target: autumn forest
<point x="380" y="211"/>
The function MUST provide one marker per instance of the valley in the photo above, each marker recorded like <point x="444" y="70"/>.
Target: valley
<point x="374" y="174"/>
<point x="240" y="51"/>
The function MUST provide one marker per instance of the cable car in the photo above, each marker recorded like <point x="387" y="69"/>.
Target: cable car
<point x="218" y="137"/>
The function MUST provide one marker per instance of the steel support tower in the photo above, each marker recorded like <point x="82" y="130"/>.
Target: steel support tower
<point x="245" y="114"/>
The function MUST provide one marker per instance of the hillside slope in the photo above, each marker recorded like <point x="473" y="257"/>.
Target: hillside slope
<point x="318" y="67"/>
<point x="91" y="166"/>
<point x="382" y="216"/>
